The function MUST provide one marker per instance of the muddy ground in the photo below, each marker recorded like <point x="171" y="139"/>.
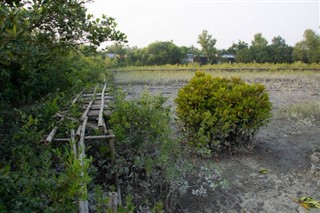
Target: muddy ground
<point x="283" y="148"/>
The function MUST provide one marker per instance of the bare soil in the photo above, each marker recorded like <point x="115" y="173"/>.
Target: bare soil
<point x="283" y="148"/>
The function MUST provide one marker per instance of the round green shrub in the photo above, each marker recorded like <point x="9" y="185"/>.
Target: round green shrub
<point x="220" y="113"/>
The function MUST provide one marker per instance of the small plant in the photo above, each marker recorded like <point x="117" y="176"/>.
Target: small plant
<point x="220" y="113"/>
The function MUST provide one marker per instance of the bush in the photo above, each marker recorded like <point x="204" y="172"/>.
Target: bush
<point x="221" y="113"/>
<point x="146" y="161"/>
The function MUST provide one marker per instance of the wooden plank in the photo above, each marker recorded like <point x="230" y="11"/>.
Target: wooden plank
<point x="98" y="102"/>
<point x="92" y="113"/>
<point x="97" y="106"/>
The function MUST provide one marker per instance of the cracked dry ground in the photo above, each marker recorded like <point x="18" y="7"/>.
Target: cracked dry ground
<point x="283" y="148"/>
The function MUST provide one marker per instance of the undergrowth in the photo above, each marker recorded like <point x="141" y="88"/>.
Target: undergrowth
<point x="305" y="113"/>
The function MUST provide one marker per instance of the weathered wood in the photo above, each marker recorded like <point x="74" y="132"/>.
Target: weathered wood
<point x="113" y="202"/>
<point x="93" y="113"/>
<point x="83" y="204"/>
<point x="98" y="102"/>
<point x="96" y="137"/>
<point x="50" y="137"/>
<point x="89" y="105"/>
<point x="86" y="111"/>
<point x="77" y="136"/>
<point x="74" y="144"/>
<point x="97" y="106"/>
<point x="96" y="113"/>
<point x="90" y="125"/>
<point x="75" y="99"/>
<point x="100" y="118"/>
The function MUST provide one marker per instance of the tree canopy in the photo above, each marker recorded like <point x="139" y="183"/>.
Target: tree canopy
<point x="207" y="44"/>
<point x="35" y="37"/>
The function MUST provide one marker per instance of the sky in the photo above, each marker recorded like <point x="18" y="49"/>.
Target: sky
<point x="228" y="21"/>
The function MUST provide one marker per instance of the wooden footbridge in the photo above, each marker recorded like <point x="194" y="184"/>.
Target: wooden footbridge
<point x="96" y="106"/>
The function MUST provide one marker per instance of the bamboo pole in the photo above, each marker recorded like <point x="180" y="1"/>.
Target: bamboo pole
<point x="75" y="99"/>
<point x="74" y="144"/>
<point x="100" y="119"/>
<point x="90" y="125"/>
<point x="83" y="204"/>
<point x="89" y="105"/>
<point x="96" y="137"/>
<point x="113" y="202"/>
<point x="50" y="137"/>
<point x="77" y="136"/>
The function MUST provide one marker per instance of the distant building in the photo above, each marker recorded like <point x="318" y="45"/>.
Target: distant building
<point x="201" y="59"/>
<point x="188" y="59"/>
<point x="111" y="55"/>
<point x="192" y="58"/>
<point x="228" y="57"/>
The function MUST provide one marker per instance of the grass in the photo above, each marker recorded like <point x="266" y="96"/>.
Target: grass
<point x="162" y="76"/>
<point x="305" y="113"/>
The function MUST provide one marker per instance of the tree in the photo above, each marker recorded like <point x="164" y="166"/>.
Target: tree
<point x="35" y="38"/>
<point x="241" y="51"/>
<point x="207" y="44"/>
<point x="259" y="49"/>
<point x="163" y="52"/>
<point x="308" y="50"/>
<point x="235" y="47"/>
<point x="281" y="52"/>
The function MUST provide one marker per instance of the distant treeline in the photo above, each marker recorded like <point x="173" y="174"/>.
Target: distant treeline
<point x="259" y="51"/>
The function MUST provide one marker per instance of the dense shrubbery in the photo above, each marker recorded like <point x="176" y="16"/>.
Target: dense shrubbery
<point x="221" y="113"/>
<point x="146" y="155"/>
<point x="34" y="177"/>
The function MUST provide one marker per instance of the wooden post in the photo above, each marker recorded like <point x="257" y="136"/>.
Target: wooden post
<point x="83" y="204"/>
<point x="74" y="144"/>
<point x="113" y="202"/>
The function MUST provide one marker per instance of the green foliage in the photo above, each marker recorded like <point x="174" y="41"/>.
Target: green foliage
<point x="159" y="53"/>
<point x="33" y="183"/>
<point x="207" y="43"/>
<point x="308" y="50"/>
<point x="146" y="155"/>
<point x="221" y="113"/>
<point x="141" y="123"/>
<point x="34" y="177"/>
<point x="36" y="39"/>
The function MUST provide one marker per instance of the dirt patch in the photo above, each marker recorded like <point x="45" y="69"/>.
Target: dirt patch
<point x="283" y="149"/>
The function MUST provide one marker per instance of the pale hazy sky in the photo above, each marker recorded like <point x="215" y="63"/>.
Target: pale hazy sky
<point x="147" y="21"/>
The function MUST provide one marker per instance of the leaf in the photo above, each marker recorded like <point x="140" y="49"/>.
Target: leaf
<point x="308" y="202"/>
<point x="263" y="171"/>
